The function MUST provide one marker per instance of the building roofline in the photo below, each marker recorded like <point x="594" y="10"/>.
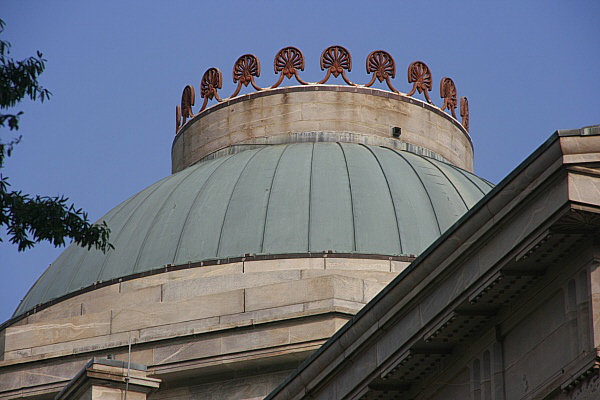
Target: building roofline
<point x="540" y="166"/>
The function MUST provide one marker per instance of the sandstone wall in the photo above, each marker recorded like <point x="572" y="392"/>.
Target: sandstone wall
<point x="210" y="321"/>
<point x="358" y="115"/>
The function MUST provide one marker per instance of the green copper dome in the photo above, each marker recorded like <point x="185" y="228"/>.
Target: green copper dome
<point x="289" y="198"/>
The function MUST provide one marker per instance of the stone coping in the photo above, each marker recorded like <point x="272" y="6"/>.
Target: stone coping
<point x="117" y="363"/>
<point x="323" y="88"/>
<point x="204" y="263"/>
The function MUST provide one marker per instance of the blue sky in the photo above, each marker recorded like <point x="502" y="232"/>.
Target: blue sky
<point x="117" y="68"/>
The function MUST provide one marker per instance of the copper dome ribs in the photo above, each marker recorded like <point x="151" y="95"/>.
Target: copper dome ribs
<point x="336" y="61"/>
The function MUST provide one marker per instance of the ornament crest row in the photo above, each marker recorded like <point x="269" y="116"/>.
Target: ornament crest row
<point x="336" y="60"/>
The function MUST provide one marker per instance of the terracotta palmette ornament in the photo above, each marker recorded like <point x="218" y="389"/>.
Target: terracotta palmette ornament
<point x="464" y="112"/>
<point x="381" y="64"/>
<point x="184" y="110"/>
<point x="448" y="93"/>
<point x="244" y="70"/>
<point x="420" y="76"/>
<point x="337" y="60"/>
<point x="211" y="82"/>
<point x="287" y="63"/>
<point x="188" y="98"/>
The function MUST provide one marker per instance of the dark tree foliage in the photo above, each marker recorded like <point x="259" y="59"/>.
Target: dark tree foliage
<point x="30" y="219"/>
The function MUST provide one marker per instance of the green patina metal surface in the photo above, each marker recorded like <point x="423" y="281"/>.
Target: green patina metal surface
<point x="294" y="198"/>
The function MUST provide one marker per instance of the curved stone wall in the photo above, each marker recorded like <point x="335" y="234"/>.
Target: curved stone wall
<point x="215" y="322"/>
<point x="363" y="115"/>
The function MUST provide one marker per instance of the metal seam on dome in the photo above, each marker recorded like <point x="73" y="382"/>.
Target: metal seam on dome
<point x="47" y="288"/>
<point x="469" y="176"/>
<point x="78" y="266"/>
<point x="50" y="284"/>
<point x="39" y="280"/>
<point x="105" y="262"/>
<point x="351" y="197"/>
<point x="231" y="196"/>
<point x="262" y="241"/>
<point x="137" y="259"/>
<point x="310" y="179"/>
<point x="140" y="207"/>
<point x="437" y="222"/>
<point x="223" y="160"/>
<point x="17" y="311"/>
<point x="449" y="180"/>
<point x="389" y="191"/>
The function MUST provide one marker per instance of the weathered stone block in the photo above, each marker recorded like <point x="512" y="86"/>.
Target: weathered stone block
<point x="255" y="339"/>
<point x="374" y="276"/>
<point x="305" y="290"/>
<point x="202" y="347"/>
<point x="315" y="330"/>
<point x="372" y="289"/>
<point x="223" y="283"/>
<point x="10" y="380"/>
<point x="146" y="296"/>
<point x="261" y="316"/>
<point x="193" y="308"/>
<point x="180" y="329"/>
<point x="59" y="331"/>
<point x="183" y="274"/>
<point x="85" y="345"/>
<point x="56" y="311"/>
<point x="339" y="305"/>
<point x="357" y="264"/>
<point x="399" y="266"/>
<point x="284" y="264"/>
<point x="17" y="354"/>
<point x="51" y="373"/>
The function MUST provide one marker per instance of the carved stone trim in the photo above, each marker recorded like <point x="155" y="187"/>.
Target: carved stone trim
<point x="585" y="383"/>
<point x="578" y="221"/>
<point x="415" y="364"/>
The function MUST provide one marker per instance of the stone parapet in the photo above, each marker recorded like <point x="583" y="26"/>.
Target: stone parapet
<point x="323" y="113"/>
